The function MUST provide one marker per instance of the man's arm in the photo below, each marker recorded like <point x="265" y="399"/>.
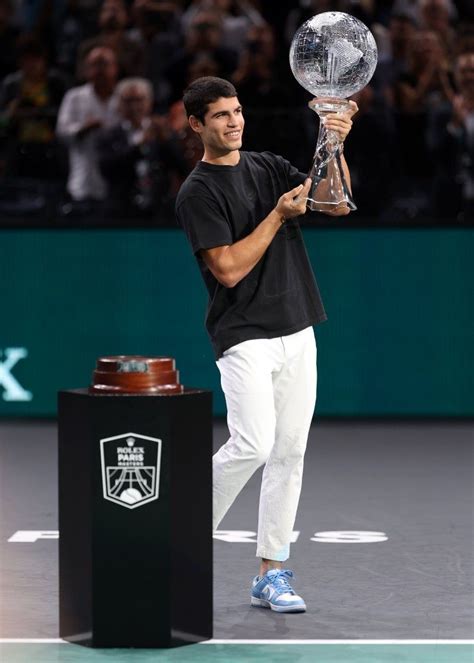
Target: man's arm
<point x="72" y="122"/>
<point x="232" y="262"/>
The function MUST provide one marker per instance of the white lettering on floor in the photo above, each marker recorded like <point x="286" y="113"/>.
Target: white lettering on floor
<point x="30" y="536"/>
<point x="349" y="536"/>
<point x="232" y="536"/>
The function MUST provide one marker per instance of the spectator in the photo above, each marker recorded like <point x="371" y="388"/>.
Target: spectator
<point x="155" y="17"/>
<point x="452" y="141"/>
<point x="77" y="23"/>
<point x="371" y="154"/>
<point x="112" y="21"/>
<point x="465" y="38"/>
<point x="29" y="102"/>
<point x="140" y="157"/>
<point x="158" y="32"/>
<point x="257" y="77"/>
<point x="426" y="81"/>
<point x="8" y="38"/>
<point x="85" y="109"/>
<point x="394" y="46"/>
<point x="424" y="86"/>
<point x="190" y="143"/>
<point x="39" y="18"/>
<point x="437" y="16"/>
<point x="203" y="38"/>
<point x="265" y="96"/>
<point x="202" y="65"/>
<point x="237" y="16"/>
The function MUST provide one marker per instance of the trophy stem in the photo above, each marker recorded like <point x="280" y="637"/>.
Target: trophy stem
<point x="329" y="186"/>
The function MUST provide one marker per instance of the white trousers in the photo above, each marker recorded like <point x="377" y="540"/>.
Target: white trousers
<point x="270" y="392"/>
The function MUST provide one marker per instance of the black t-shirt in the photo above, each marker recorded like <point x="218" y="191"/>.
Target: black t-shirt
<point x="219" y="205"/>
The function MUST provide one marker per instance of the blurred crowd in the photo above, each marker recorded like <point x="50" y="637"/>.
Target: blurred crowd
<point x="92" y="123"/>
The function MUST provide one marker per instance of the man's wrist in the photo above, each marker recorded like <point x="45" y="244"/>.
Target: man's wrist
<point x="277" y="216"/>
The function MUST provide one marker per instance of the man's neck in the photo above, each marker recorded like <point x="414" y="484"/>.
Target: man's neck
<point x="227" y="159"/>
<point x="104" y="92"/>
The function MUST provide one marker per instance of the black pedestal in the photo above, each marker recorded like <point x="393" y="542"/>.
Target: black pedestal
<point x="135" y="518"/>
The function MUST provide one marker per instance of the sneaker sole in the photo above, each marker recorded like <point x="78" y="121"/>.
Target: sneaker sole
<point x="262" y="603"/>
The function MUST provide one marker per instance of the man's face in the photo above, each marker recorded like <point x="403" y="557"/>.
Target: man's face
<point x="435" y="14"/>
<point x="402" y="30"/>
<point x="101" y="66"/>
<point x="465" y="74"/>
<point x="425" y="47"/>
<point x="112" y="15"/>
<point x="223" y="126"/>
<point x="134" y="104"/>
<point x="205" y="32"/>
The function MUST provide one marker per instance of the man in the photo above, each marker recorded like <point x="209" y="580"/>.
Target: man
<point x="451" y="138"/>
<point x="29" y="102"/>
<point x="140" y="157"/>
<point x="112" y="24"/>
<point x="239" y="212"/>
<point x="204" y="37"/>
<point x="84" y="110"/>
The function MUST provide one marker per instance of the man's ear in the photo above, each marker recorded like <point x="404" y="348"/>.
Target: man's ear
<point x="195" y="124"/>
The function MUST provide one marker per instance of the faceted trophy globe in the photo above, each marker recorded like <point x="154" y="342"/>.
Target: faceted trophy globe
<point x="333" y="55"/>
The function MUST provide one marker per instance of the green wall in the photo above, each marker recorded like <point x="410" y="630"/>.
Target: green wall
<point x="399" y="339"/>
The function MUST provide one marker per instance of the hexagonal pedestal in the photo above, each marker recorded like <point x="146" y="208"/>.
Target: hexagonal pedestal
<point x="135" y="518"/>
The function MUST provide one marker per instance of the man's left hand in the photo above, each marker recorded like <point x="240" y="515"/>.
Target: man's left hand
<point x="341" y="123"/>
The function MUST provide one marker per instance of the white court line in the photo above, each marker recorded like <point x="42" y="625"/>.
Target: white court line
<point x="268" y="642"/>
<point x="27" y="641"/>
<point x="337" y="642"/>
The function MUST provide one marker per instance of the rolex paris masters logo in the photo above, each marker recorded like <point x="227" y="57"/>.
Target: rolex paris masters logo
<point x="130" y="469"/>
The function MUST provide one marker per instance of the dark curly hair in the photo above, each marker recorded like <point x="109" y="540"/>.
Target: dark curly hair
<point x="204" y="91"/>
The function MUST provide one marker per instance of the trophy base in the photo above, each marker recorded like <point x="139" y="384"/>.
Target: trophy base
<point x="319" y="206"/>
<point x="329" y="187"/>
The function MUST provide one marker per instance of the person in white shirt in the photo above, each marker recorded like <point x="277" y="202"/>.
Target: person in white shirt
<point x="84" y="111"/>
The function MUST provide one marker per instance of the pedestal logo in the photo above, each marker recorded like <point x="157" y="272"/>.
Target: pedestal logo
<point x="130" y="469"/>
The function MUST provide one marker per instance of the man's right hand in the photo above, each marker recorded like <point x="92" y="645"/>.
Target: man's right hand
<point x="293" y="203"/>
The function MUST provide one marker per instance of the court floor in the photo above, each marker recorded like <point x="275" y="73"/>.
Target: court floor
<point x="383" y="552"/>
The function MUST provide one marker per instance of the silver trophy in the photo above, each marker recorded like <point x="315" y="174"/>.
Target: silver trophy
<point x="333" y="55"/>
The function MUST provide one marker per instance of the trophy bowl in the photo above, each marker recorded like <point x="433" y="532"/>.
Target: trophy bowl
<point x="333" y="55"/>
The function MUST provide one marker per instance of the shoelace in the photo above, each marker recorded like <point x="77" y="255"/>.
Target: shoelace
<point x="280" y="583"/>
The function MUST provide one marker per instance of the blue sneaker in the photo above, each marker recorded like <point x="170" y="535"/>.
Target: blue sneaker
<point x="274" y="591"/>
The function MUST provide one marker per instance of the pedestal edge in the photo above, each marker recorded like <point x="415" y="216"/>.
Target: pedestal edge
<point x="84" y="391"/>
